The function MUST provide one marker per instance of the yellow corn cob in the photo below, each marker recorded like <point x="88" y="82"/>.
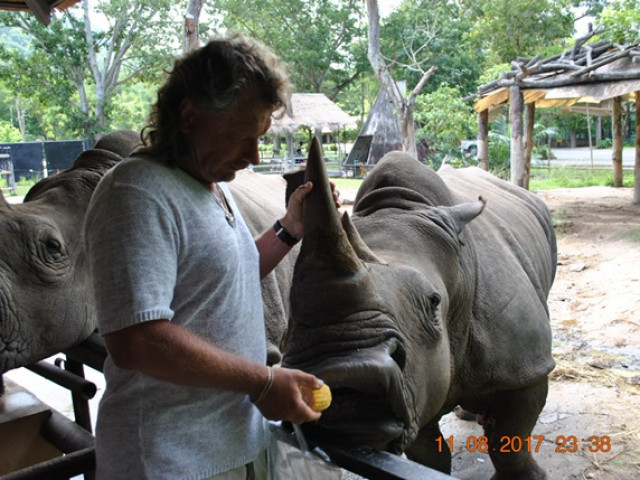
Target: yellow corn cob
<point x="318" y="399"/>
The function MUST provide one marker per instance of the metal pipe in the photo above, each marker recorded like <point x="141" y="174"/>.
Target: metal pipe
<point x="64" y="379"/>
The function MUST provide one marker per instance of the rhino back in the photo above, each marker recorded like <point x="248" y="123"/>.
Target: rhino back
<point x="514" y="249"/>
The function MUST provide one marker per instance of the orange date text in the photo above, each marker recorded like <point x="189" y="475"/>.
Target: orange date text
<point x="530" y="444"/>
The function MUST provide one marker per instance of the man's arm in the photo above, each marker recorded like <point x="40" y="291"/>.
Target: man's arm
<point x="171" y="353"/>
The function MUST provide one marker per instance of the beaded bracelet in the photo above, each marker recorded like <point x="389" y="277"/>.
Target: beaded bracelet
<point x="266" y="388"/>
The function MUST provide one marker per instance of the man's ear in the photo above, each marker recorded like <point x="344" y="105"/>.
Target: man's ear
<point x="188" y="113"/>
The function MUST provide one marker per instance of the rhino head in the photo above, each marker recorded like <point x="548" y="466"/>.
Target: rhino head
<point x="46" y="301"/>
<point x="372" y="319"/>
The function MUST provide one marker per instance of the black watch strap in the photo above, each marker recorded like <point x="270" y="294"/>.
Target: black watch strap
<point x="283" y="235"/>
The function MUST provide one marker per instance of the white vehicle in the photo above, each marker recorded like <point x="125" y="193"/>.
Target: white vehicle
<point x="469" y="148"/>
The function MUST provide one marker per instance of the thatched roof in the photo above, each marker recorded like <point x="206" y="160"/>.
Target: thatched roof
<point x="40" y="8"/>
<point x="313" y="110"/>
<point x="587" y="73"/>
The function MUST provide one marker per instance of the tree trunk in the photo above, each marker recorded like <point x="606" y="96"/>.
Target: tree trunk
<point x="616" y="154"/>
<point x="636" y="168"/>
<point x="191" y="38"/>
<point x="516" y="107"/>
<point x="573" y="141"/>
<point x="403" y="105"/>
<point x="598" y="129"/>
<point x="483" y="139"/>
<point x="529" y="119"/>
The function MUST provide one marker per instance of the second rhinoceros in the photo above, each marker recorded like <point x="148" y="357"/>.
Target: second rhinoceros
<point x="427" y="298"/>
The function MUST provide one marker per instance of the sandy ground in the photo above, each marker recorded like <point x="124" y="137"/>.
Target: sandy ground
<point x="594" y="390"/>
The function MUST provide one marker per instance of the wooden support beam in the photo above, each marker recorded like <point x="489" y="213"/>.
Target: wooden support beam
<point x="516" y="108"/>
<point x="636" y="168"/>
<point x="41" y="9"/>
<point x="483" y="139"/>
<point x="616" y="154"/>
<point x="529" y="120"/>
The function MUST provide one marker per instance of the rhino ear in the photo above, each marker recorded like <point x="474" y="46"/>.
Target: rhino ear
<point x="465" y="212"/>
<point x="361" y="248"/>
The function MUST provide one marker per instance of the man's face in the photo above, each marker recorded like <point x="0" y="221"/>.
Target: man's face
<point x="223" y="143"/>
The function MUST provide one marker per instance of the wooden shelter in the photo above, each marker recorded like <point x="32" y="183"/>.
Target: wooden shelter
<point x="587" y="74"/>
<point x="40" y="8"/>
<point x="314" y="111"/>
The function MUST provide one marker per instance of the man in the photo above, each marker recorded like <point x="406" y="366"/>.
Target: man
<point x="177" y="279"/>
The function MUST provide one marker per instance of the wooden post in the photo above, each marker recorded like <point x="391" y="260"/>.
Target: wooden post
<point x="516" y="107"/>
<point x="616" y="154"/>
<point x="636" y="167"/>
<point x="483" y="139"/>
<point x="529" y="119"/>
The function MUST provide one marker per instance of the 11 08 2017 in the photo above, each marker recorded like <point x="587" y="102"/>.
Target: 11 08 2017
<point x="532" y="443"/>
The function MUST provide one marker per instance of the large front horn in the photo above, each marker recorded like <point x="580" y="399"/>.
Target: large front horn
<point x="325" y="245"/>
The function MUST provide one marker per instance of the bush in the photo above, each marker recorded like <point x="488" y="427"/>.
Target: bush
<point x="605" y="143"/>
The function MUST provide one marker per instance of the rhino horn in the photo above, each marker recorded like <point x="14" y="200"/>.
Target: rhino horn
<point x="361" y="248"/>
<point x="325" y="245"/>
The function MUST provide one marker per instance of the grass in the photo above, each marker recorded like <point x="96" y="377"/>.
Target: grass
<point x="543" y="179"/>
<point x="546" y="179"/>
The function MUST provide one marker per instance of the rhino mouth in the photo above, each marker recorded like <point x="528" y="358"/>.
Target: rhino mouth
<point x="369" y="406"/>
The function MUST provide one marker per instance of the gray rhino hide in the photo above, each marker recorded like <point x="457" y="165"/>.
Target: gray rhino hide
<point x="46" y="300"/>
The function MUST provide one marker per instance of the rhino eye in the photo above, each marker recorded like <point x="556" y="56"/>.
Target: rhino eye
<point x="53" y="248"/>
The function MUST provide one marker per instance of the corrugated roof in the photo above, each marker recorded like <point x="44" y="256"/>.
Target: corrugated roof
<point x="40" y="8"/>
<point x="313" y="110"/>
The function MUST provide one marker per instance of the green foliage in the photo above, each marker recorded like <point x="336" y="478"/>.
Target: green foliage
<point x="444" y="120"/>
<point x="67" y="73"/>
<point x="511" y="29"/>
<point x="621" y="18"/>
<point x="9" y="133"/>
<point x="323" y="41"/>
<point x="426" y="33"/>
<point x="605" y="143"/>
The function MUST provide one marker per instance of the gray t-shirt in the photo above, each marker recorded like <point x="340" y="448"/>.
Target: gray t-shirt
<point x="160" y="247"/>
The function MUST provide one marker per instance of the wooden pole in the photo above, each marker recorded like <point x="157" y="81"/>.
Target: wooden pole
<point x="529" y="119"/>
<point x="636" y="168"/>
<point x="616" y="154"/>
<point x="483" y="140"/>
<point x="516" y="107"/>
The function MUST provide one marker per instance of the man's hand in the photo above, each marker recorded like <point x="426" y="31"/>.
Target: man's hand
<point x="292" y="221"/>
<point x="284" y="401"/>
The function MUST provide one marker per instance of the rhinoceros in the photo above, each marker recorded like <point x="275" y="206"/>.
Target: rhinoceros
<point x="426" y="298"/>
<point x="46" y="300"/>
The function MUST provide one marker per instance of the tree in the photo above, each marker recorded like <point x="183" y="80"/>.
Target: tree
<point x="509" y="29"/>
<point x="191" y="36"/>
<point x="444" y="119"/>
<point x="74" y="67"/>
<point x="434" y="33"/>
<point x="621" y="19"/>
<point x="402" y="104"/>
<point x="321" y="40"/>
